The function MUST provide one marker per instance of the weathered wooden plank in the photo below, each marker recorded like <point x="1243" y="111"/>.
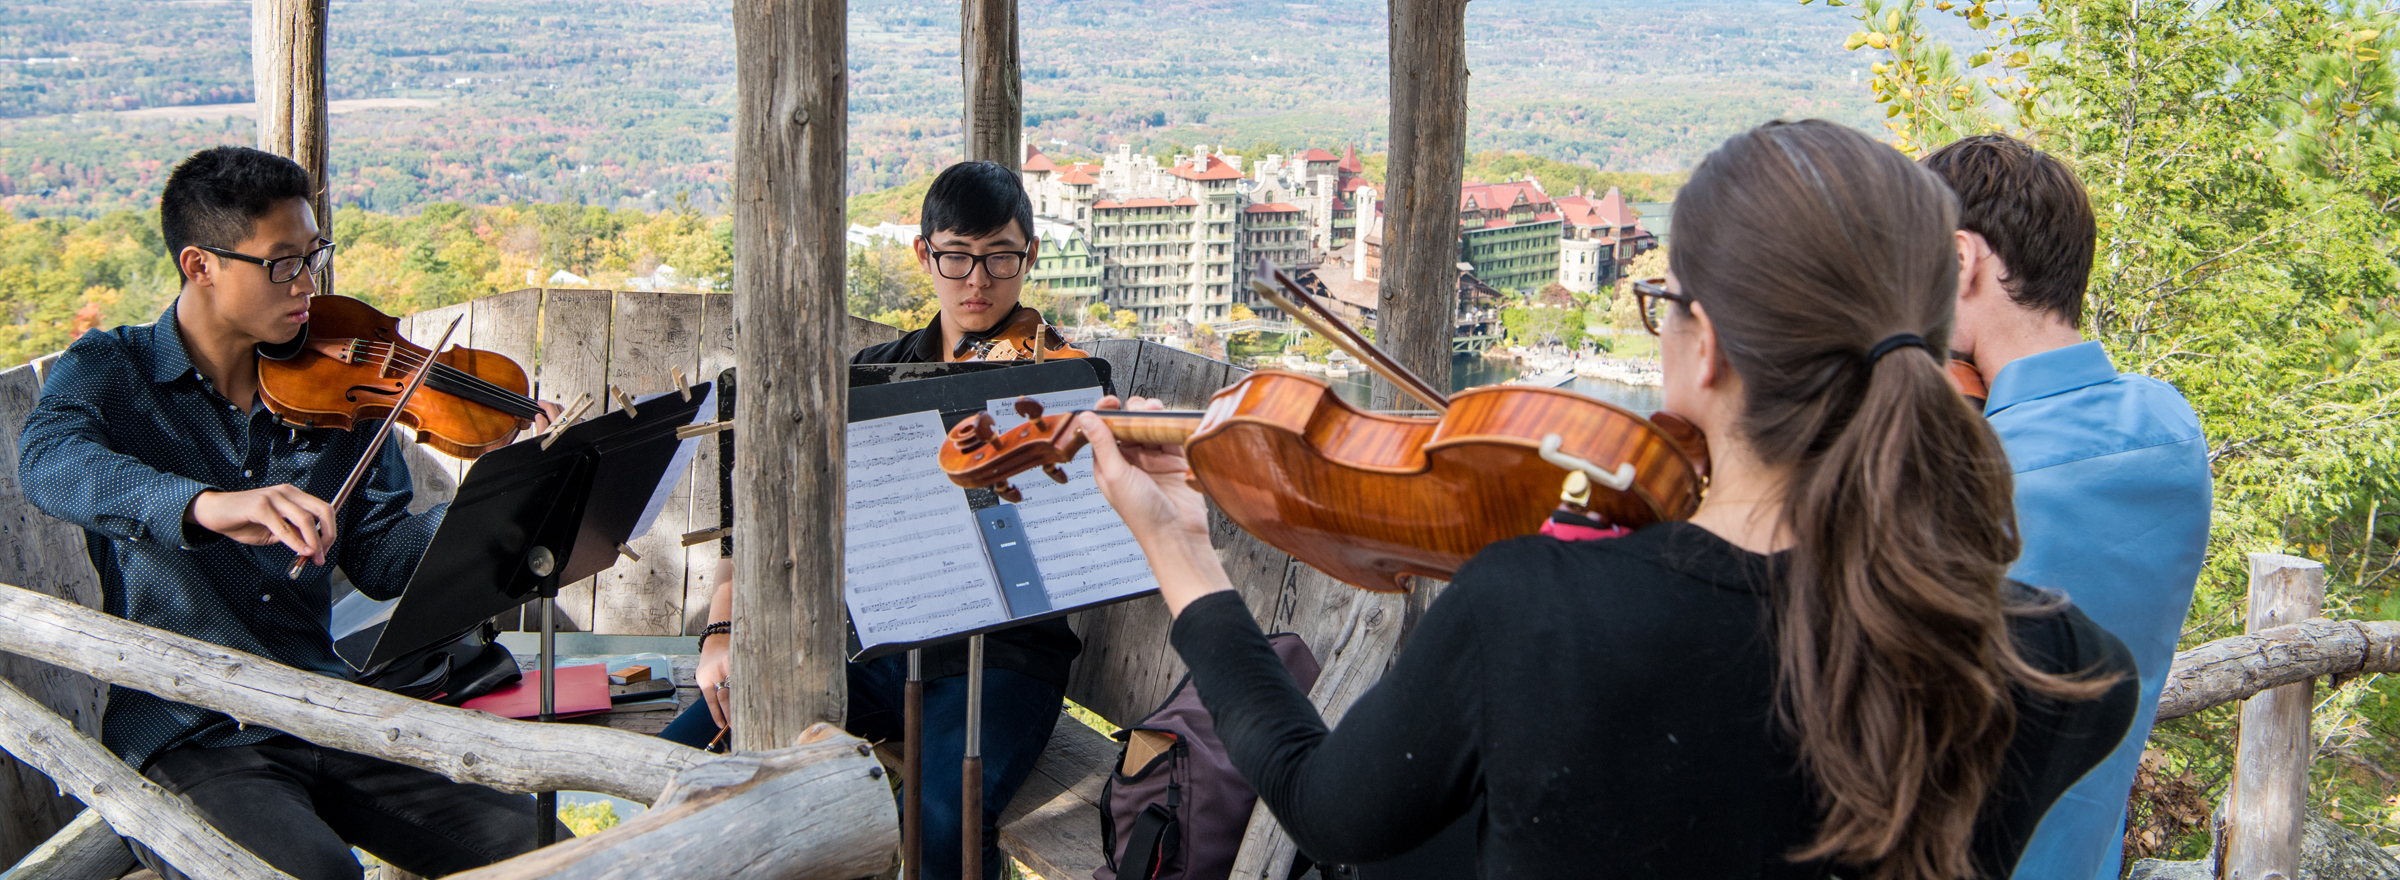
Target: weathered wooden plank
<point x="994" y="117"/>
<point x="287" y="65"/>
<point x="1353" y="633"/>
<point x="1123" y="357"/>
<point x="1181" y="379"/>
<point x="862" y="333"/>
<point x="1053" y="826"/>
<point x="655" y="337"/>
<point x="87" y="849"/>
<point x="790" y="140"/>
<point x="1418" y="297"/>
<point x="46" y="555"/>
<point x="575" y="346"/>
<point x="821" y="810"/>
<point x="510" y="324"/>
<point x="2264" y="812"/>
<point x="715" y="344"/>
<point x="136" y="807"/>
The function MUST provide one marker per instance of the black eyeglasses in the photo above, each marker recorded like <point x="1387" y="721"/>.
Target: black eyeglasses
<point x="1652" y="299"/>
<point x="954" y="265"/>
<point x="281" y="269"/>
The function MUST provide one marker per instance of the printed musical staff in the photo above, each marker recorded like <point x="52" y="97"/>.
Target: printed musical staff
<point x="914" y="569"/>
<point x="1085" y="552"/>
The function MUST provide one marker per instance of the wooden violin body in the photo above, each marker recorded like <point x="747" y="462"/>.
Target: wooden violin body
<point x="1025" y="337"/>
<point x="1371" y="498"/>
<point x="355" y="362"/>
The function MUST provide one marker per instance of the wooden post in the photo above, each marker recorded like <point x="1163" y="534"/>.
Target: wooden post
<point x="987" y="59"/>
<point x="1418" y="300"/>
<point x="788" y="256"/>
<point x="287" y="65"/>
<point x="2263" y="814"/>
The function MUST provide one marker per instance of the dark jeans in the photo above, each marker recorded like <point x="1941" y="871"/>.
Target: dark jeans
<point x="301" y="807"/>
<point x="1018" y="713"/>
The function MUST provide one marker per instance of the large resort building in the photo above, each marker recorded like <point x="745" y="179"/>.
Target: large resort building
<point x="1174" y="243"/>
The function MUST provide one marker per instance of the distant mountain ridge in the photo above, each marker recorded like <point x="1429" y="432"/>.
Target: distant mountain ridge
<point x="629" y="105"/>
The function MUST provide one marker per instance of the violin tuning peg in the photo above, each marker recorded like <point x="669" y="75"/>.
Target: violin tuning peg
<point x="1028" y="408"/>
<point x="1057" y="474"/>
<point x="1008" y="493"/>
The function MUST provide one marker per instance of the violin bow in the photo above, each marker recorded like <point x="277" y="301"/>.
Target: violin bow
<point x="1286" y="294"/>
<point x="376" y="445"/>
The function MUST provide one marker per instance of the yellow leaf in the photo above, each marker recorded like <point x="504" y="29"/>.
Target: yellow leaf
<point x="1879" y="68"/>
<point x="1891" y="20"/>
<point x="1879" y="41"/>
<point x="1855" y="40"/>
<point x="1891" y="111"/>
<point x="2020" y="59"/>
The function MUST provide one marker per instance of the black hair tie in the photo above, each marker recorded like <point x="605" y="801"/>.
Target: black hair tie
<point x="1894" y="343"/>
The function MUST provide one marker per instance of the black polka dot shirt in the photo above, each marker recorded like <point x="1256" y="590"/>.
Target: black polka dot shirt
<point x="125" y="435"/>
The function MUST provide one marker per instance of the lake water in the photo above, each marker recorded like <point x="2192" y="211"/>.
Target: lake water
<point x="1468" y="371"/>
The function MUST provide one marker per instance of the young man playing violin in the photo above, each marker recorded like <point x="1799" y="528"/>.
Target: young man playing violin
<point x="195" y="500"/>
<point x="977" y="244"/>
<point x="2112" y="479"/>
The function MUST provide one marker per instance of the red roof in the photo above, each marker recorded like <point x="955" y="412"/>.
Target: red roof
<point x="1339" y="204"/>
<point x="1272" y="208"/>
<point x="1496" y="223"/>
<point x="1353" y="183"/>
<point x="1317" y="155"/>
<point x="1105" y="204"/>
<point x="1607" y="211"/>
<point x="1035" y="161"/>
<point x="1501" y="196"/>
<point x="1186" y="201"/>
<point x="1210" y="168"/>
<point x="1350" y="159"/>
<point x="1075" y="175"/>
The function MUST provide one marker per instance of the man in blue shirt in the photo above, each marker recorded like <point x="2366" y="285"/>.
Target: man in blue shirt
<point x="194" y="500"/>
<point x="2112" y="471"/>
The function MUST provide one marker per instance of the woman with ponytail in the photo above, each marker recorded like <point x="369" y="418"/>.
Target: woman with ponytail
<point x="1824" y="673"/>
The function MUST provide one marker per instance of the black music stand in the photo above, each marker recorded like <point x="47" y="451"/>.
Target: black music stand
<point x="527" y="519"/>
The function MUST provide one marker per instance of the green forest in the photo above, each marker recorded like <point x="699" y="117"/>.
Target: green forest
<point x="2244" y="160"/>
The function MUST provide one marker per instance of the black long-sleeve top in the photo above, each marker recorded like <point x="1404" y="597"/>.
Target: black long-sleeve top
<point x="1610" y="705"/>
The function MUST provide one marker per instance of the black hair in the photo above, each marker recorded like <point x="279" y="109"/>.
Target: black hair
<point x="215" y="197"/>
<point x="976" y="199"/>
<point x="2032" y="210"/>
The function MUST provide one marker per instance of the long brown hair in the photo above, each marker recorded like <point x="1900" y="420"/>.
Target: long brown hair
<point x="1809" y="243"/>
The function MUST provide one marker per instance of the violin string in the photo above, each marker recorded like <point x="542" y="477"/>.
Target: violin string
<point x="459" y="382"/>
<point x="494" y="395"/>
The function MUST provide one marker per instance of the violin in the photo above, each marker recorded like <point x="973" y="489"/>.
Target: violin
<point x="1371" y="498"/>
<point x="354" y="365"/>
<point x="1024" y="336"/>
<point x="1967" y="379"/>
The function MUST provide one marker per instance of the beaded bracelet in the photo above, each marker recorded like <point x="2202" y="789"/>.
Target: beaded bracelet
<point x="722" y="627"/>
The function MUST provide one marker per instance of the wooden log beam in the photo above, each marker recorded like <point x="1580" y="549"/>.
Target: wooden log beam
<point x="791" y="128"/>
<point x="287" y="65"/>
<point x="87" y="849"/>
<point x="819" y="811"/>
<point x="1417" y="301"/>
<point x="995" y="89"/>
<point x="2236" y="667"/>
<point x="168" y="823"/>
<point x="463" y="744"/>
<point x="2264" y="811"/>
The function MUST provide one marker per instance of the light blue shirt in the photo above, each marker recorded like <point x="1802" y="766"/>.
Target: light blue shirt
<point x="2112" y="503"/>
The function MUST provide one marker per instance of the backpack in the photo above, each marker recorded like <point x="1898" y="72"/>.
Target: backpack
<point x="1175" y="808"/>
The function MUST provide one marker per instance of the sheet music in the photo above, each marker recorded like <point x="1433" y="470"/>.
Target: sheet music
<point x="913" y="562"/>
<point x="1085" y="552"/>
<point x="675" y="468"/>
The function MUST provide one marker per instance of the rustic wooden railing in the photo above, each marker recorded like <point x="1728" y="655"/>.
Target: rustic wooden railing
<point x="581" y="342"/>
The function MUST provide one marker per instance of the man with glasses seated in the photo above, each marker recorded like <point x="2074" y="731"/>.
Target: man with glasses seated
<point x="977" y="243"/>
<point x="194" y="500"/>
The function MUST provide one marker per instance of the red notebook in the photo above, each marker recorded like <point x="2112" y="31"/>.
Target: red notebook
<point x="582" y="690"/>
